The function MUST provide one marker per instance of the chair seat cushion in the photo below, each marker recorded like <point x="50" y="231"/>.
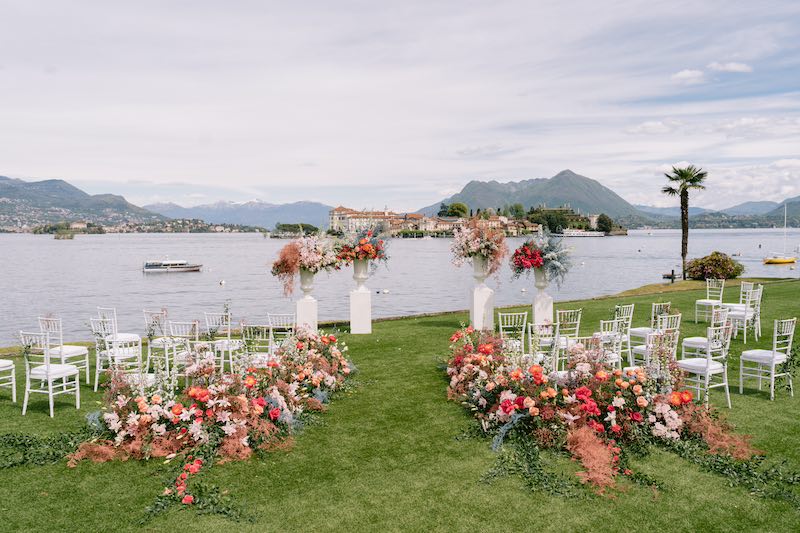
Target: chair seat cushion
<point x="741" y="315"/>
<point x="734" y="307"/>
<point x="6" y="364"/>
<point x="69" y="350"/>
<point x="695" y="342"/>
<point x="164" y="342"/>
<point x="763" y="356"/>
<point x="640" y="349"/>
<point x="640" y="332"/>
<point x="707" y="301"/>
<point x="124" y="337"/>
<point x="697" y="365"/>
<point x="228" y="344"/>
<point x="56" y="371"/>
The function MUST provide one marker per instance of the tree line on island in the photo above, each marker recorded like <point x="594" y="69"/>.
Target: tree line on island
<point x="554" y="220"/>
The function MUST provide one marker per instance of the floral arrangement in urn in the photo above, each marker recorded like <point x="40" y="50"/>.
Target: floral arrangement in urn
<point x="219" y="417"/>
<point x="306" y="253"/>
<point x="546" y="254"/>
<point x="366" y="245"/>
<point x="478" y="240"/>
<point x="600" y="415"/>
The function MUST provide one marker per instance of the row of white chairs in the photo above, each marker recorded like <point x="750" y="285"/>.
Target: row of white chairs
<point x="53" y="368"/>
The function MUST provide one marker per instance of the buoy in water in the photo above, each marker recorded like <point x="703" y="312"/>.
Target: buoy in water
<point x="523" y="289"/>
<point x="385" y="291"/>
<point x="222" y="283"/>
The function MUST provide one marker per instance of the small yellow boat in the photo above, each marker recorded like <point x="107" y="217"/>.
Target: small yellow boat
<point x="778" y="260"/>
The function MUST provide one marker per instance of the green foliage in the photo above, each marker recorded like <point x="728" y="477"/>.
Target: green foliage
<point x="17" y="449"/>
<point x="305" y="229"/>
<point x="516" y="211"/>
<point x="604" y="223"/>
<point x="458" y="209"/>
<point x="443" y="210"/>
<point x="716" y="265"/>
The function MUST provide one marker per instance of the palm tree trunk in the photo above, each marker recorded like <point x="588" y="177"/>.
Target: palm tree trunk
<point x="684" y="229"/>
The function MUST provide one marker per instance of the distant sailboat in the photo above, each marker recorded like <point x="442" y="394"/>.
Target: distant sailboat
<point x="781" y="259"/>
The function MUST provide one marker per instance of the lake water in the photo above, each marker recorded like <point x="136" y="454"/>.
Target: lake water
<point x="40" y="275"/>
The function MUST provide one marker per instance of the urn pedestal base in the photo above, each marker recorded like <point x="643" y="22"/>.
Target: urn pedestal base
<point x="307" y="313"/>
<point x="481" y="314"/>
<point x="542" y="302"/>
<point x="360" y="312"/>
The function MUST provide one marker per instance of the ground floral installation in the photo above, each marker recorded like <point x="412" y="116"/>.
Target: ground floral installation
<point x="599" y="416"/>
<point x="220" y="417"/>
<point x="367" y="244"/>
<point x="545" y="253"/>
<point x="475" y="240"/>
<point x="311" y="253"/>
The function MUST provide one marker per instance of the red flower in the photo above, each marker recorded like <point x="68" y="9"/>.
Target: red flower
<point x="636" y="416"/>
<point x="274" y="414"/>
<point x="616" y="428"/>
<point x="507" y="406"/>
<point x="300" y="345"/>
<point x="261" y="402"/>
<point x="188" y="499"/>
<point x="686" y="396"/>
<point x="520" y="402"/>
<point x="590" y="408"/>
<point x="597" y="426"/>
<point x="485" y="349"/>
<point x="583" y="393"/>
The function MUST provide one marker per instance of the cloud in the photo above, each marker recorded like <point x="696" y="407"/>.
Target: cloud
<point x="655" y="127"/>
<point x="730" y="67"/>
<point x="689" y="77"/>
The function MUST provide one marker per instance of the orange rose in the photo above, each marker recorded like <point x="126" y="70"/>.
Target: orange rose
<point x="529" y="402"/>
<point x="250" y="381"/>
<point x="675" y="398"/>
<point x="551" y="392"/>
<point x="686" y="396"/>
<point x="534" y="411"/>
<point x="618" y="382"/>
<point x="624" y="384"/>
<point x="637" y="389"/>
<point x="642" y="402"/>
<point x="535" y="369"/>
<point x="156" y="399"/>
<point x="177" y="409"/>
<point x="601" y="375"/>
<point x="516" y="374"/>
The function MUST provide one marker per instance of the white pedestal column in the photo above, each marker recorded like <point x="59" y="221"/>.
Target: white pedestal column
<point x="481" y="311"/>
<point x="360" y="300"/>
<point x="307" y="312"/>
<point x="542" y="302"/>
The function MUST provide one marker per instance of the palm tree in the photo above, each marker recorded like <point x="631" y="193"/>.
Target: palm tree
<point x="682" y="180"/>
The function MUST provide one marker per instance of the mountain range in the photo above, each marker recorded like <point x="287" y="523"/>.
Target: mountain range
<point x="253" y="213"/>
<point x="54" y="200"/>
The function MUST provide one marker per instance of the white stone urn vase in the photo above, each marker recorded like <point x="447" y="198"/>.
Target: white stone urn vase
<point x="542" y="302"/>
<point x="307" y="311"/>
<point x="360" y="300"/>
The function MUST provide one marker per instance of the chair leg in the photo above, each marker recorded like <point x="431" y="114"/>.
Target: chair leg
<point x="741" y="377"/>
<point x="727" y="389"/>
<point x="14" y="385"/>
<point x="760" y="372"/>
<point x="50" y="396"/>
<point x="772" y="382"/>
<point x="78" y="390"/>
<point x="88" y="373"/>
<point x="27" y="394"/>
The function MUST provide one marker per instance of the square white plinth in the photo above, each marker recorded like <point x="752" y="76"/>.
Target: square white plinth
<point x="542" y="308"/>
<point x="360" y="312"/>
<point x="307" y="313"/>
<point x="481" y="312"/>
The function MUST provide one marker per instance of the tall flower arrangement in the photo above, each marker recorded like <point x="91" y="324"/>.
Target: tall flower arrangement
<point x="546" y="253"/>
<point x="309" y="253"/>
<point x="367" y="244"/>
<point x="475" y="240"/>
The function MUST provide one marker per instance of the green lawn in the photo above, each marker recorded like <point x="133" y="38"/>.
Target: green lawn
<point x="386" y="457"/>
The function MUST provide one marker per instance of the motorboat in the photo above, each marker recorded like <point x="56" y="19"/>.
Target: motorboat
<point x="170" y="265"/>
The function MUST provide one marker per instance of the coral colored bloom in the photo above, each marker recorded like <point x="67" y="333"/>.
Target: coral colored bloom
<point x="274" y="414"/>
<point x="583" y="393"/>
<point x="601" y="375"/>
<point x="486" y="349"/>
<point x="642" y="402"/>
<point x="250" y="381"/>
<point x="188" y="499"/>
<point x="616" y="428"/>
<point x="686" y="396"/>
<point x="177" y="409"/>
<point x="637" y="389"/>
<point x="534" y="411"/>
<point x="675" y="398"/>
<point x="636" y="416"/>
<point x="516" y="374"/>
<point x="300" y="345"/>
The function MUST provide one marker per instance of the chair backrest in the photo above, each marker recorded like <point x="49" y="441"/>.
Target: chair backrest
<point x="125" y="355"/>
<point x="184" y="330"/>
<point x="218" y="324"/>
<point x="658" y="309"/>
<point x="109" y="313"/>
<point x="626" y="312"/>
<point x="668" y="322"/>
<point x="752" y="299"/>
<point x="783" y="336"/>
<point x="666" y="339"/>
<point x="155" y="323"/>
<point x="719" y="316"/>
<point x="282" y="320"/>
<point x="53" y="327"/>
<point x="744" y="288"/>
<point x="719" y="342"/>
<point x="256" y="337"/>
<point x="611" y="332"/>
<point x="37" y="349"/>
<point x="512" y="325"/>
<point x="714" y="289"/>
<point x="569" y="322"/>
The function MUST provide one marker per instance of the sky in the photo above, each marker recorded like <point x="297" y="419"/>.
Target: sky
<point x="398" y="103"/>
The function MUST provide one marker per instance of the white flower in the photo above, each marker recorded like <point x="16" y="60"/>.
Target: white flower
<point x="618" y="402"/>
<point x="229" y="428"/>
<point x="112" y="421"/>
<point x="159" y="429"/>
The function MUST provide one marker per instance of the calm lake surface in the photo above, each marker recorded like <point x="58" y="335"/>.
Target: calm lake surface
<point x="41" y="275"/>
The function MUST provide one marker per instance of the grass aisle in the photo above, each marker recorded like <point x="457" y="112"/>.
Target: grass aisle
<point x="385" y="458"/>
